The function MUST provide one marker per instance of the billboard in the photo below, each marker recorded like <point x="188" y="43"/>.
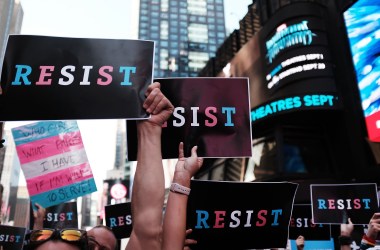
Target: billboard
<point x="363" y="29"/>
<point x="297" y="64"/>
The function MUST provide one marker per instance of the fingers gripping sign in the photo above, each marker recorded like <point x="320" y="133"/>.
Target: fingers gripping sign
<point x="157" y="105"/>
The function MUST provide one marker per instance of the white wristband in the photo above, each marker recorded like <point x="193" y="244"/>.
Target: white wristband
<point x="177" y="188"/>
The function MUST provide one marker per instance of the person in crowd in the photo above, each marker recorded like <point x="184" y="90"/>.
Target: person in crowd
<point x="53" y="239"/>
<point x="101" y="237"/>
<point x="345" y="239"/>
<point x="369" y="238"/>
<point x="150" y="229"/>
<point x="300" y="242"/>
<point x="174" y="227"/>
<point x="148" y="192"/>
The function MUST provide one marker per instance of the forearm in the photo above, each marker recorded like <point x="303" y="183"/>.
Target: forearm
<point x="174" y="229"/>
<point x="149" y="183"/>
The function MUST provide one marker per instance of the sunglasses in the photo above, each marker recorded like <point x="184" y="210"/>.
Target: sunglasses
<point x="69" y="235"/>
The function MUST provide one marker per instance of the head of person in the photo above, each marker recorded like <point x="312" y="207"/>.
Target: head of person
<point x="101" y="237"/>
<point x="53" y="239"/>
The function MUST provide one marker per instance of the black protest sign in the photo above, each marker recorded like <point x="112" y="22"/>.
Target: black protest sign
<point x="119" y="218"/>
<point x="240" y="215"/>
<point x="56" y="78"/>
<point x="211" y="113"/>
<point x="12" y="237"/>
<point x="301" y="224"/>
<point x="64" y="215"/>
<point x="335" y="203"/>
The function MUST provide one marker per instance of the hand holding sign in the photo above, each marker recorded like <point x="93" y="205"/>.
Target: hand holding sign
<point x="157" y="105"/>
<point x="39" y="216"/>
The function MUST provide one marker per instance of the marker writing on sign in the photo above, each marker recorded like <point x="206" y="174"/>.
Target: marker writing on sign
<point x="38" y="130"/>
<point x="105" y="78"/>
<point x="235" y="216"/>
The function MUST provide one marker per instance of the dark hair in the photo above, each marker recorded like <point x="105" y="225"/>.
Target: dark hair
<point x="109" y="230"/>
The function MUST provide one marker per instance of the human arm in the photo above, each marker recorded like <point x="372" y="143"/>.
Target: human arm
<point x="174" y="228"/>
<point x="345" y="235"/>
<point x="369" y="239"/>
<point x="149" y="184"/>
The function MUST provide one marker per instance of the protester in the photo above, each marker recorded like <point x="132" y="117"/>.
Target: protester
<point x="149" y="183"/>
<point x="345" y="239"/>
<point x="53" y="239"/>
<point x="101" y="237"/>
<point x="147" y="195"/>
<point x="148" y="192"/>
<point x="174" y="228"/>
<point x="300" y="242"/>
<point x="369" y="238"/>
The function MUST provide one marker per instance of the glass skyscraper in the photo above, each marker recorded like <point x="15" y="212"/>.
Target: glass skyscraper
<point x="187" y="33"/>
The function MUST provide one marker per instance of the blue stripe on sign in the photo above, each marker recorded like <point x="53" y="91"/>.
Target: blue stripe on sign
<point x="66" y="193"/>
<point x="40" y="130"/>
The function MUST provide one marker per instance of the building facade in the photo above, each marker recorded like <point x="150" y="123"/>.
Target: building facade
<point x="186" y="33"/>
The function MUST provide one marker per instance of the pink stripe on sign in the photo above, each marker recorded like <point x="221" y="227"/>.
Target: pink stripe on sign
<point x="57" y="179"/>
<point x="54" y="145"/>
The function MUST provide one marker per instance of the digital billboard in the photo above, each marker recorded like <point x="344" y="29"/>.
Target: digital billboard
<point x="363" y="30"/>
<point x="297" y="63"/>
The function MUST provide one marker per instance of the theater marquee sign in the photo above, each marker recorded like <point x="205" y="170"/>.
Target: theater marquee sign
<point x="297" y="63"/>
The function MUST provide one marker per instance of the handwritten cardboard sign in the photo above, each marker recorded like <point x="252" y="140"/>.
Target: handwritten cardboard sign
<point x="209" y="112"/>
<point x="240" y="215"/>
<point x="59" y="78"/>
<point x="54" y="162"/>
<point x="335" y="203"/>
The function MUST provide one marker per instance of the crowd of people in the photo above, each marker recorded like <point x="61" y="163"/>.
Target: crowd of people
<point x="151" y="228"/>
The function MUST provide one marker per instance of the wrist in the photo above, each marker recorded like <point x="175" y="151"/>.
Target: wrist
<point x="178" y="188"/>
<point x="367" y="242"/>
<point x="182" y="177"/>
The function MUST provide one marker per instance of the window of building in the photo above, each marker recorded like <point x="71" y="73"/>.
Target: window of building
<point x="164" y="5"/>
<point x="197" y="60"/>
<point x="164" y="30"/>
<point x="197" y="7"/>
<point x="202" y="19"/>
<point x="155" y="8"/>
<point x="173" y="37"/>
<point x="164" y="54"/>
<point x="173" y="16"/>
<point x="164" y="44"/>
<point x="221" y="34"/>
<point x="198" y="33"/>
